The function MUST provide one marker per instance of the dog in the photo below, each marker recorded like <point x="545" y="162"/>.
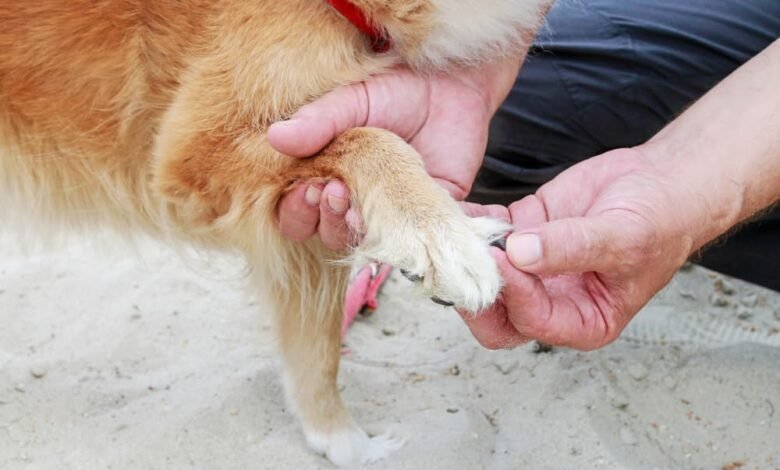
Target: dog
<point x="150" y="116"/>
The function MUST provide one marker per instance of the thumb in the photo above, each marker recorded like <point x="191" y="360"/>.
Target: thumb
<point x="567" y="246"/>
<point x="315" y="125"/>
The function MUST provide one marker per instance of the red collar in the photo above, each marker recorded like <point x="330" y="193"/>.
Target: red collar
<point x="380" y="42"/>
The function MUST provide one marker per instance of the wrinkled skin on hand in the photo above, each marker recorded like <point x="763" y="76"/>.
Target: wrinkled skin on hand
<point x="589" y="250"/>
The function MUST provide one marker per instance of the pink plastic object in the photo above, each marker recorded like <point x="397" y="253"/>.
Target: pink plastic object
<point x="362" y="292"/>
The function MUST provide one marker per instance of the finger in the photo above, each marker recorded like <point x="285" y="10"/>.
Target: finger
<point x="492" y="328"/>
<point x="567" y="316"/>
<point x="315" y="125"/>
<point x="528" y="305"/>
<point x="334" y="205"/>
<point x="528" y="213"/>
<point x="576" y="245"/>
<point x="494" y="211"/>
<point x="299" y="212"/>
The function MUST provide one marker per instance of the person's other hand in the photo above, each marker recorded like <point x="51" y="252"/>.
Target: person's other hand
<point x="589" y="250"/>
<point x="444" y="117"/>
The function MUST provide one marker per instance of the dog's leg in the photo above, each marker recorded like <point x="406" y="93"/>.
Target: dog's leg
<point x="410" y="221"/>
<point x="309" y="298"/>
<point x="225" y="190"/>
<point x="228" y="194"/>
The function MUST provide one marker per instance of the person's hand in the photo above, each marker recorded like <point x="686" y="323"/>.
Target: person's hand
<point x="589" y="250"/>
<point x="595" y="244"/>
<point x="444" y="117"/>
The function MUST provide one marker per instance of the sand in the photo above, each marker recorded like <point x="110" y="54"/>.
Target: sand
<point x="126" y="361"/>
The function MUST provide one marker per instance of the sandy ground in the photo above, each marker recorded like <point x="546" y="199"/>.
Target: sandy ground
<point x="144" y="362"/>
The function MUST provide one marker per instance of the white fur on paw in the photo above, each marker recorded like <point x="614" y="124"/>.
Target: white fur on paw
<point x="354" y="446"/>
<point x="463" y="271"/>
<point x="450" y="256"/>
<point x="380" y="447"/>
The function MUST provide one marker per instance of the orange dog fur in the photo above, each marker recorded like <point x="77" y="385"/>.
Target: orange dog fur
<point x="151" y="115"/>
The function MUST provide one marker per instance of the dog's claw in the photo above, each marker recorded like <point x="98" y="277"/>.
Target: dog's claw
<point x="500" y="244"/>
<point x="443" y="303"/>
<point x="411" y="277"/>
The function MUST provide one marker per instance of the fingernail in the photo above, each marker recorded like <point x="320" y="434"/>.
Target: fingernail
<point x="313" y="195"/>
<point x="339" y="205"/>
<point x="524" y="249"/>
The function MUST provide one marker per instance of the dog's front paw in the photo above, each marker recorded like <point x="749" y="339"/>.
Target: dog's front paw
<point x="462" y="272"/>
<point x="354" y="446"/>
<point x="449" y="258"/>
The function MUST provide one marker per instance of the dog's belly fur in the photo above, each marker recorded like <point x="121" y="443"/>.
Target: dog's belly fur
<point x="147" y="115"/>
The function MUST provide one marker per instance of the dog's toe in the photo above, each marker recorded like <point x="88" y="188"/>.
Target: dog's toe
<point x="461" y="272"/>
<point x="447" y="256"/>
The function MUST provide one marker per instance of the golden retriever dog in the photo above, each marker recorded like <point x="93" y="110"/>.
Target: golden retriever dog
<point x="150" y="115"/>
